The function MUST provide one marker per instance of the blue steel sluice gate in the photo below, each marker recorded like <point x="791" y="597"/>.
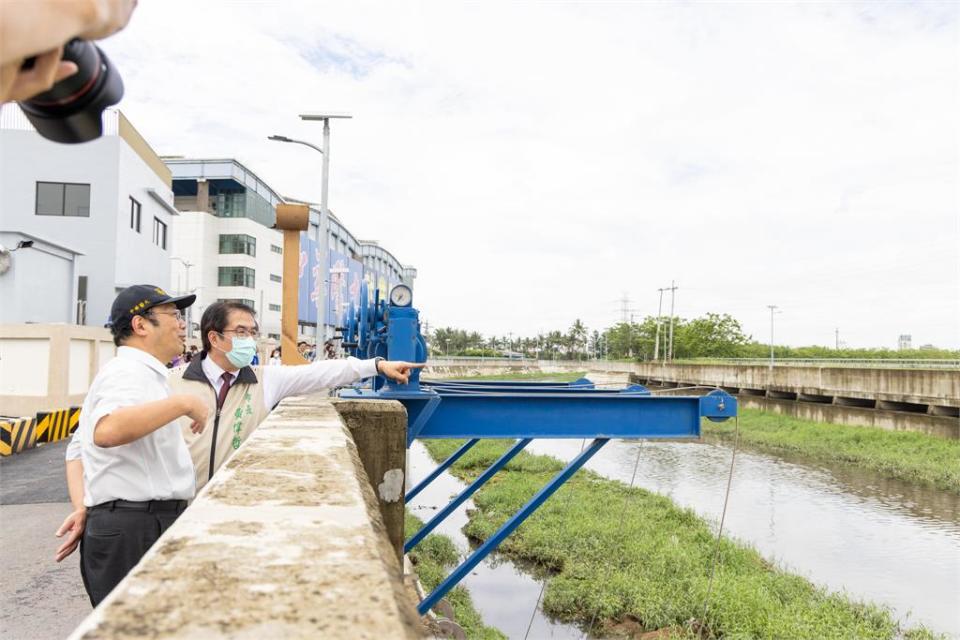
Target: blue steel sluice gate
<point x="519" y="410"/>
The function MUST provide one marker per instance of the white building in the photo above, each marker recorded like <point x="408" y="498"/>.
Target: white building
<point x="228" y="250"/>
<point x="99" y="215"/>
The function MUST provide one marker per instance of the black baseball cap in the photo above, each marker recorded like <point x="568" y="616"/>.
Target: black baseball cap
<point x="140" y="298"/>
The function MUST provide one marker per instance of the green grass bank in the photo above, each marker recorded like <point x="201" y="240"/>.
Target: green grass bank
<point x="905" y="455"/>
<point x="631" y="561"/>
<point x="434" y="558"/>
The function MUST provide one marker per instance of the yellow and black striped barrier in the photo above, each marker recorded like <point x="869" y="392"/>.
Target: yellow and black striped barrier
<point x="20" y="434"/>
<point x="16" y="435"/>
<point x="57" y="425"/>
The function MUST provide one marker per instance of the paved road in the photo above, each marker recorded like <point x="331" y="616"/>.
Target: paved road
<point x="41" y="599"/>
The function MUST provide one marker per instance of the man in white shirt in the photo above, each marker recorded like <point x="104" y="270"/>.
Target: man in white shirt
<point x="136" y="470"/>
<point x="237" y="396"/>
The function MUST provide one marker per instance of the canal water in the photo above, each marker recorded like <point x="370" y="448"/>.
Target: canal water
<point x="876" y="539"/>
<point x="504" y="594"/>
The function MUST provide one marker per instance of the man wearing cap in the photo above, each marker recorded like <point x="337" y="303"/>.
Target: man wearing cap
<point x="237" y="396"/>
<point x="137" y="474"/>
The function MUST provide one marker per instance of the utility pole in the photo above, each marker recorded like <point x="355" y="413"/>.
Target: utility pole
<point x="656" y="344"/>
<point x="837" y="332"/>
<point x="323" y="226"/>
<point x="773" y="309"/>
<point x="673" y="289"/>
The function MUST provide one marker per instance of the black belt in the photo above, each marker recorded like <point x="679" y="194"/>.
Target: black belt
<point x="149" y="505"/>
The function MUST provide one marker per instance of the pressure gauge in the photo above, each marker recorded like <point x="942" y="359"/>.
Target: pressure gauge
<point x="401" y="296"/>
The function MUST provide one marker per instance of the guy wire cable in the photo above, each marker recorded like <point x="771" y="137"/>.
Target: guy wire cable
<point x="723" y="515"/>
<point x="543" y="585"/>
<point x="623" y="517"/>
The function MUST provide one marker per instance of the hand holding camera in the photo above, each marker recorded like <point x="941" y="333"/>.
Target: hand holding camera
<point x="63" y="89"/>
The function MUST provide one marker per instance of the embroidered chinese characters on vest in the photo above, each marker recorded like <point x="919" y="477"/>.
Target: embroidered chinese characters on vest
<point x="242" y="411"/>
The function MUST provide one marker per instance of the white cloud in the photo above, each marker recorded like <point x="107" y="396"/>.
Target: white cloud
<point x="534" y="161"/>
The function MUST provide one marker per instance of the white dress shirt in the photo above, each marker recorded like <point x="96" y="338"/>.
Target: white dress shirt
<point x="154" y="467"/>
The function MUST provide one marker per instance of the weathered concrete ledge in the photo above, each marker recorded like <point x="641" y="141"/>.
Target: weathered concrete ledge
<point x="286" y="541"/>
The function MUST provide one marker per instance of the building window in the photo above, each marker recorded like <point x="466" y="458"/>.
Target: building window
<point x="236" y="277"/>
<point x="238" y="243"/>
<point x="160" y="233"/>
<point x="249" y="303"/>
<point x="134" y="215"/>
<point x="274" y="307"/>
<point x="274" y="336"/>
<point x="63" y="199"/>
<point x="275" y="278"/>
<point x="276" y="249"/>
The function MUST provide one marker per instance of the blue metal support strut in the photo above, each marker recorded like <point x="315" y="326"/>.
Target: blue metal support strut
<point x="508" y="527"/>
<point x="466" y="493"/>
<point x="443" y="467"/>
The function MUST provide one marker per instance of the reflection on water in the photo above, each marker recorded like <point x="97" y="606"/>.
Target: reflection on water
<point x="880" y="540"/>
<point x="503" y="594"/>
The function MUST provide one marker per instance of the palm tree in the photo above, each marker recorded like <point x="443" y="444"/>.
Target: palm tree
<point x="577" y="336"/>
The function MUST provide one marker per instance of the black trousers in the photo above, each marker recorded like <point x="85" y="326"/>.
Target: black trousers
<point x="116" y="537"/>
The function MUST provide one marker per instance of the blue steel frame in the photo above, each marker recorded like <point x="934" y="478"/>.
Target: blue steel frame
<point x="521" y="410"/>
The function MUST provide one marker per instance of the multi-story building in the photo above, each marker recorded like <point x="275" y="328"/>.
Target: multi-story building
<point x="98" y="215"/>
<point x="228" y="250"/>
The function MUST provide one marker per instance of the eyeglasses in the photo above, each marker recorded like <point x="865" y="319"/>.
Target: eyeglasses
<point x="243" y="332"/>
<point x="178" y="315"/>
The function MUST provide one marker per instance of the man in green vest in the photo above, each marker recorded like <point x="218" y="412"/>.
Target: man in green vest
<point x="238" y="397"/>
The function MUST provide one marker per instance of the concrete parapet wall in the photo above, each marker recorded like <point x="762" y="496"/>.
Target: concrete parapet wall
<point x="379" y="430"/>
<point x="286" y="541"/>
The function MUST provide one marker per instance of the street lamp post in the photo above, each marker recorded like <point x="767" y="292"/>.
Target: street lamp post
<point x="322" y="227"/>
<point x="773" y="310"/>
<point x="186" y="267"/>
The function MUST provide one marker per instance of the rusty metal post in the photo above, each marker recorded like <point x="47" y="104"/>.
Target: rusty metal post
<point x="291" y="219"/>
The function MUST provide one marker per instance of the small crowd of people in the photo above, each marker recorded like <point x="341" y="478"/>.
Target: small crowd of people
<point x="304" y="348"/>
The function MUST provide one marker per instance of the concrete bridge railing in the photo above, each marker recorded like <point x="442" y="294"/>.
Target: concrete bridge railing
<point x="939" y="387"/>
<point x="286" y="541"/>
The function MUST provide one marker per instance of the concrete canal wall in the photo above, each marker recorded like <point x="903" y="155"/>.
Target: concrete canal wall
<point x="286" y="541"/>
<point x="925" y="400"/>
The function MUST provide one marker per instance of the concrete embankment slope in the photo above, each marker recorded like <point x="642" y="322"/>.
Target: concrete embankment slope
<point x="286" y="541"/>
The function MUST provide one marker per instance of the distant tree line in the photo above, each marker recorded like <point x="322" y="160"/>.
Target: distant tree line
<point x="710" y="336"/>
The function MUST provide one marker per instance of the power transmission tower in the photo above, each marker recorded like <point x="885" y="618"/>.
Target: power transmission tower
<point x="673" y="288"/>
<point x="625" y="309"/>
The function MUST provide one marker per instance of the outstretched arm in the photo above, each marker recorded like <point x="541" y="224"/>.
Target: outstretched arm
<point x="285" y="381"/>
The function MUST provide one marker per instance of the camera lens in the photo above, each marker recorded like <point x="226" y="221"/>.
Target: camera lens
<point x="72" y="110"/>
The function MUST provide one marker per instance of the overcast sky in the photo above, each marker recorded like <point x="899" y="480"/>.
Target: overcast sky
<point x="537" y="162"/>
